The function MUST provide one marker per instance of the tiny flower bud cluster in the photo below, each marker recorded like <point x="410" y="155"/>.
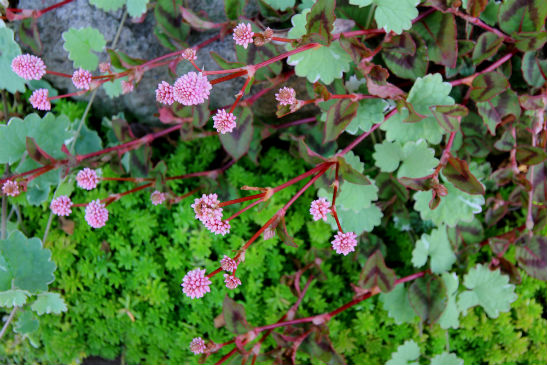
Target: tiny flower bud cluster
<point x="344" y="243"/>
<point x="127" y="87"/>
<point x="10" y="188"/>
<point x="96" y="214"/>
<point x="231" y="281"/>
<point x="189" y="54"/>
<point x="197" y="346"/>
<point x="40" y="99"/>
<point x="61" y="206"/>
<point x="191" y="89"/>
<point x="28" y="67"/>
<point x="81" y="79"/>
<point x="164" y="93"/>
<point x="228" y="264"/>
<point x="195" y="284"/>
<point x="286" y="96"/>
<point x="210" y="214"/>
<point x="157" y="197"/>
<point x="224" y="122"/>
<point x="87" y="179"/>
<point x="243" y="34"/>
<point x="261" y="39"/>
<point x="319" y="209"/>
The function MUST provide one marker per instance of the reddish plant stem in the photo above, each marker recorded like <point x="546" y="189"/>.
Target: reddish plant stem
<point x="445" y="155"/>
<point x="32" y="12"/>
<point x="183" y="196"/>
<point x="227" y="356"/>
<point x="61" y="74"/>
<point x="244" y="210"/>
<point x="132" y="179"/>
<point x="240" y="94"/>
<point x="365" y="135"/>
<point x="334" y="193"/>
<point x="76" y="93"/>
<point x="481" y="24"/>
<point x="280" y="39"/>
<point x="469" y="79"/>
<point x="201" y="173"/>
<point x="109" y="200"/>
<point x="228" y="77"/>
<point x="296" y="122"/>
<point x="241" y="200"/>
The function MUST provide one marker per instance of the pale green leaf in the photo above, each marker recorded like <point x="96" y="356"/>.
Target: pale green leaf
<point x="49" y="303"/>
<point x="356" y="197"/>
<point x="417" y="160"/>
<point x="80" y="44"/>
<point x="136" y="8"/>
<point x="426" y="91"/>
<point x="88" y="141"/>
<point x="9" y="49"/>
<point x="113" y="88"/>
<point x="363" y="221"/>
<point x="26" y="323"/>
<point x="446" y="358"/>
<point x="280" y="5"/>
<point x="25" y="263"/>
<point x="49" y="133"/>
<point x="13" y="297"/>
<point x="455" y="207"/>
<point x="406" y="354"/>
<point x="397" y="305"/>
<point x="387" y="155"/>
<point x="392" y="15"/>
<point x="450" y="316"/>
<point x="108" y="5"/>
<point x="369" y="112"/>
<point x="489" y="289"/>
<point x="334" y="60"/>
<point x="354" y="161"/>
<point x="436" y="246"/>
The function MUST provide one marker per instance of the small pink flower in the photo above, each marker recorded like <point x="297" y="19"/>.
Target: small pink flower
<point x="157" y="197"/>
<point x="96" y="214"/>
<point x="28" y="67"/>
<point x="127" y="87"/>
<point x="228" y="264"/>
<point x="191" y="89"/>
<point x="81" y="79"/>
<point x="319" y="209"/>
<point x="189" y="54"/>
<point x="197" y="346"/>
<point x="104" y="67"/>
<point x="39" y="99"/>
<point x="344" y="243"/>
<point x="286" y="96"/>
<point x="218" y="226"/>
<point x="243" y="34"/>
<point x="87" y="179"/>
<point x="206" y="208"/>
<point x="195" y="284"/>
<point x="61" y="206"/>
<point x="231" y="281"/>
<point x="11" y="188"/>
<point x="164" y="93"/>
<point x="224" y="122"/>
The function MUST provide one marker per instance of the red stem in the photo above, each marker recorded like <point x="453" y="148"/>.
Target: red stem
<point x="240" y="94"/>
<point x="469" y="79"/>
<point x="55" y="73"/>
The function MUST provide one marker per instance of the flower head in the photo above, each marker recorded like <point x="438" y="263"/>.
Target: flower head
<point x="191" y="89"/>
<point x="344" y="243"/>
<point x="157" y="197"/>
<point x="218" y="226"/>
<point x="10" y="188"/>
<point x="224" y="122"/>
<point x="127" y="87"/>
<point x="104" y="67"/>
<point x="286" y="96"/>
<point x="206" y="208"/>
<point x="61" y="206"/>
<point x="195" y="284"/>
<point x="39" y="99"/>
<point x="243" y="34"/>
<point x="164" y="93"/>
<point x="231" y="281"/>
<point x="228" y="264"/>
<point x="319" y="209"/>
<point x="96" y="214"/>
<point x="81" y="79"/>
<point x="197" y="346"/>
<point x="87" y="179"/>
<point x="28" y="67"/>
<point x="189" y="54"/>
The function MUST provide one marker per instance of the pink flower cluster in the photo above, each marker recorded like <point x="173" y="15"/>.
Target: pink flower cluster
<point x="96" y="214"/>
<point x="286" y="96"/>
<point x="164" y="93"/>
<point x="40" y="99"/>
<point x="195" y="284"/>
<point x="28" y="67"/>
<point x="243" y="34"/>
<point x="231" y="281"/>
<point x="210" y="214"/>
<point x="61" y="206"/>
<point x="224" y="122"/>
<point x="81" y="79"/>
<point x="197" y="346"/>
<point x="228" y="264"/>
<point x="127" y="87"/>
<point x="319" y="209"/>
<point x="157" y="197"/>
<point x="189" y="54"/>
<point x="87" y="179"/>
<point x="190" y="89"/>
<point x="10" y="188"/>
<point x="344" y="243"/>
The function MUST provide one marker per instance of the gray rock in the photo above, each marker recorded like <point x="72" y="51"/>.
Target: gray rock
<point x="136" y="40"/>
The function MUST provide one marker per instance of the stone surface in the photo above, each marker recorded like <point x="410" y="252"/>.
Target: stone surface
<point x="136" y="40"/>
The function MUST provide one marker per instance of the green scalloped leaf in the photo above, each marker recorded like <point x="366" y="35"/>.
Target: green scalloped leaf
<point x="489" y="289"/>
<point x="426" y="92"/>
<point x="9" y="49"/>
<point x="387" y="155"/>
<point x="334" y="60"/>
<point x="450" y="316"/>
<point x="26" y="263"/>
<point x="356" y="196"/>
<point x="108" y="5"/>
<point x="405" y="354"/>
<point x="397" y="305"/>
<point x="446" y="358"/>
<point x="80" y="44"/>
<point x="437" y="246"/>
<point x="369" y="112"/>
<point x="13" y="298"/>
<point x="26" y="323"/>
<point x="417" y="160"/>
<point x="392" y="15"/>
<point x="49" y="303"/>
<point x="136" y="8"/>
